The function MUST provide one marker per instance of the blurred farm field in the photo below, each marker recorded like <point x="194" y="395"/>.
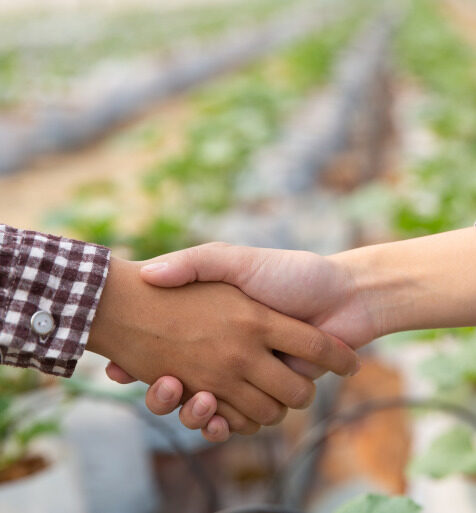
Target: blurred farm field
<point x="42" y="51"/>
<point x="436" y="186"/>
<point x="434" y="190"/>
<point x="143" y="188"/>
<point x="229" y="121"/>
<point x="155" y="176"/>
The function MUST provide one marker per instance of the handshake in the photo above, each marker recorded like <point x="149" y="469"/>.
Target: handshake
<point x="238" y="334"/>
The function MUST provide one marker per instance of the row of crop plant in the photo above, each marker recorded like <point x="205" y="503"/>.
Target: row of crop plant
<point x="232" y="118"/>
<point x="435" y="192"/>
<point x="42" y="51"/>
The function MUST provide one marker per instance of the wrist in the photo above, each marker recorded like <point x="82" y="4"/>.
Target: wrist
<point x="112" y="319"/>
<point x="383" y="285"/>
<point x="423" y="283"/>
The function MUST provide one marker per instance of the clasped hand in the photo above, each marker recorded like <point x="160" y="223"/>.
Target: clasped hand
<point x="248" y="362"/>
<point x="236" y="363"/>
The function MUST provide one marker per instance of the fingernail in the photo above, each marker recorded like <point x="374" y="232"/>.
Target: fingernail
<point x="164" y="392"/>
<point x="213" y="429"/>
<point x="357" y="369"/>
<point x="199" y="409"/>
<point x="158" y="266"/>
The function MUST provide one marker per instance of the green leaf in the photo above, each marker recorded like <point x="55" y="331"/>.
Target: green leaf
<point x="453" y="452"/>
<point x="380" y="504"/>
<point x="162" y="235"/>
<point x="7" y="421"/>
<point x="78" y="386"/>
<point x="452" y="369"/>
<point x="15" y="381"/>
<point x="38" y="429"/>
<point x="91" y="222"/>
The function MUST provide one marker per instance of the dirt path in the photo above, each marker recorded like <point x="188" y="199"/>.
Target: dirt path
<point x="18" y="5"/>
<point x="463" y="13"/>
<point x="27" y="195"/>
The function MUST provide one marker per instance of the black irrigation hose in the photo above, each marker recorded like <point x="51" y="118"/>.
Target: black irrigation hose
<point x="262" y="508"/>
<point x="320" y="433"/>
<point x="316" y="436"/>
<point x="194" y="466"/>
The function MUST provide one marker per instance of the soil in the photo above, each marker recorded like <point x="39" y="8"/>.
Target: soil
<point x="463" y="14"/>
<point x="23" y="468"/>
<point x="48" y="184"/>
<point x="378" y="446"/>
<point x="19" y="5"/>
<point x="239" y="470"/>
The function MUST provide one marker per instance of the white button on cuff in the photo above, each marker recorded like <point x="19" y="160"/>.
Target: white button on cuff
<point x="42" y="323"/>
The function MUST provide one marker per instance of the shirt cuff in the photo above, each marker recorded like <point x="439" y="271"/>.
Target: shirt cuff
<point x="60" y="276"/>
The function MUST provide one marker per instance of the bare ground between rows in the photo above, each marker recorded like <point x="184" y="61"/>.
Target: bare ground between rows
<point x="27" y="195"/>
<point x="375" y="448"/>
<point x="463" y="15"/>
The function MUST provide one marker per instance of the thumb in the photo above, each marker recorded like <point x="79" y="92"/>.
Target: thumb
<point x="173" y="272"/>
<point x="215" y="261"/>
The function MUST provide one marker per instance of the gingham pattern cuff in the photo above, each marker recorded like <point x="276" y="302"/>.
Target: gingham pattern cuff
<point x="61" y="276"/>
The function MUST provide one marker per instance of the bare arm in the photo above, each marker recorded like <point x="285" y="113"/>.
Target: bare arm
<point x="357" y="295"/>
<point x="422" y="283"/>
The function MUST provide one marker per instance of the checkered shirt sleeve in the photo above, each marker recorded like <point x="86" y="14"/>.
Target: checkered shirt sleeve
<point x="60" y="276"/>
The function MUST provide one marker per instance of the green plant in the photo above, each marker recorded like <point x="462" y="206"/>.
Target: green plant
<point x="442" y="186"/>
<point x="20" y="423"/>
<point x="437" y="192"/>
<point x="89" y="221"/>
<point x="453" y="452"/>
<point x="232" y="118"/>
<point x="161" y="235"/>
<point x="104" y="35"/>
<point x="453" y="368"/>
<point x="372" y="503"/>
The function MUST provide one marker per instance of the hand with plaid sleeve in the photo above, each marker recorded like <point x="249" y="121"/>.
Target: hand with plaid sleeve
<point x="59" y="281"/>
<point x="60" y="296"/>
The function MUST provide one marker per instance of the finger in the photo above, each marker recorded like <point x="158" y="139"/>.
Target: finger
<point x="215" y="261"/>
<point x="302" y="340"/>
<point x="164" y="395"/>
<point x="279" y="381"/>
<point x="301" y="366"/>
<point x="115" y="373"/>
<point x="257" y="405"/>
<point x="197" y="411"/>
<point x="217" y="430"/>
<point x="237" y="422"/>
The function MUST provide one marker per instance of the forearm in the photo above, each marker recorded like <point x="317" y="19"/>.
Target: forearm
<point x="428" y="282"/>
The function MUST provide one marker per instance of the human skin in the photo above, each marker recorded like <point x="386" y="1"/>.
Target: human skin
<point x="212" y="337"/>
<point x="357" y="295"/>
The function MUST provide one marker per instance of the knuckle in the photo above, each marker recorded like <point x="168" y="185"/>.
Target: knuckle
<point x="158" y="408"/>
<point x="195" y="253"/>
<point x="302" y="396"/>
<point x="318" y="348"/>
<point x="253" y="320"/>
<point x="249" y="428"/>
<point x="239" y="424"/>
<point x="237" y="362"/>
<point x="187" y="421"/>
<point x="217" y="244"/>
<point x="152" y="405"/>
<point x="273" y="414"/>
<point x="192" y="254"/>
